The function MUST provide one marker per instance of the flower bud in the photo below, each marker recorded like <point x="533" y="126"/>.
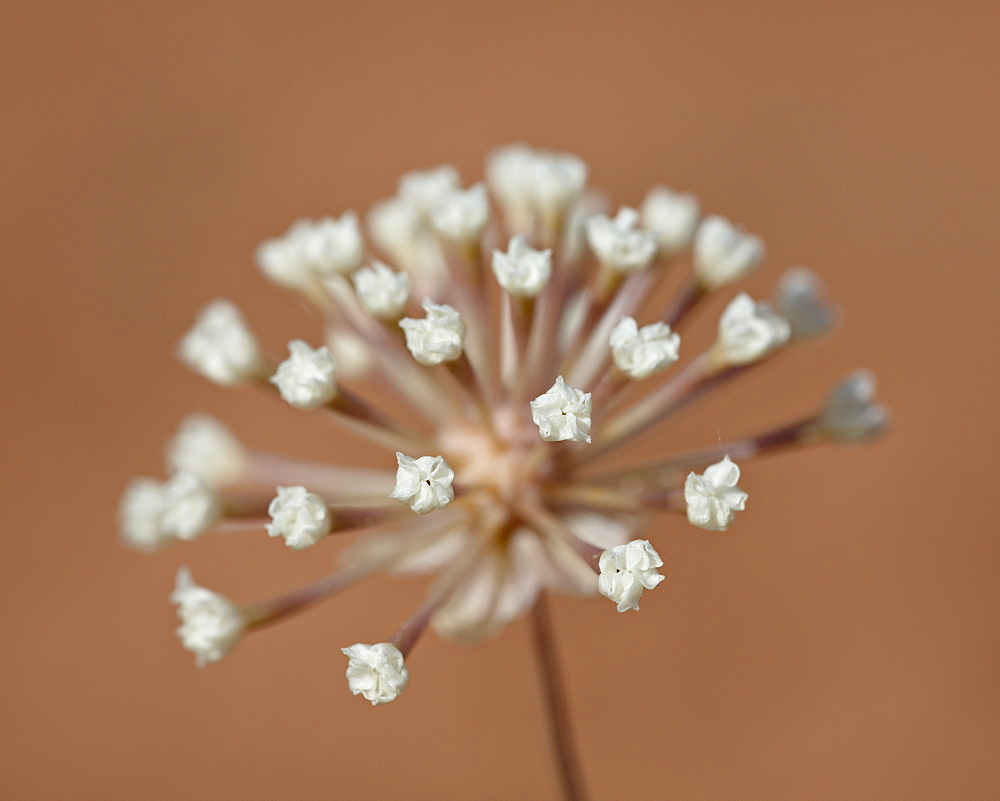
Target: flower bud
<point x="713" y="498"/>
<point x="672" y="216"/>
<point x="640" y="352"/>
<point x="851" y="415"/>
<point x="211" y="624"/>
<point x="307" y="379"/>
<point x="626" y="570"/>
<point x="562" y="414"/>
<point x="376" y="672"/>
<point x="437" y="338"/>
<point x="299" y="516"/>
<point x="221" y="346"/>
<point x="423" y="484"/>
<point x="724" y="253"/>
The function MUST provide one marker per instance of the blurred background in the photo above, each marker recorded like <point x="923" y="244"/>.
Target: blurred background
<point x="840" y="643"/>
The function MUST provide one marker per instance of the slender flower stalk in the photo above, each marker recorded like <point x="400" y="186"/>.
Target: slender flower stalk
<point x="517" y="328"/>
<point x="264" y="613"/>
<point x="556" y="703"/>
<point x="683" y="303"/>
<point x="800" y="432"/>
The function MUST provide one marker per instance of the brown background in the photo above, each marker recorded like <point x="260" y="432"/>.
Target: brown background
<point x="841" y="644"/>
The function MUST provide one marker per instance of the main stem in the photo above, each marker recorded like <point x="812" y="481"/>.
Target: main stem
<point x="555" y="703"/>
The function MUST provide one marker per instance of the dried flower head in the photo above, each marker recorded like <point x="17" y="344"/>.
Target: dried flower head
<point x="526" y="368"/>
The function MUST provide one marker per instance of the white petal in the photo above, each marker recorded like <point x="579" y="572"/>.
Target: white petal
<point x="562" y="413"/>
<point x="376" y="672"/>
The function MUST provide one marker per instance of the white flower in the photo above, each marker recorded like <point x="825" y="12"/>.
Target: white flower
<point x="509" y="173"/>
<point x="672" y="216"/>
<point x="437" y="338"/>
<point x="395" y="225"/>
<point x="522" y="270"/>
<point x="211" y="624"/>
<point x="723" y="252"/>
<point x="748" y="331"/>
<point x="515" y="516"/>
<point x="299" y="516"/>
<point x="139" y="515"/>
<point x="461" y="215"/>
<point x="282" y="259"/>
<point x="800" y="301"/>
<point x="626" y="570"/>
<point x="562" y="413"/>
<point x="424" y="484"/>
<point x="376" y="671"/>
<point x="207" y="449"/>
<point x="529" y="182"/>
<point x="333" y="247"/>
<point x="618" y="244"/>
<point x="220" y="346"/>
<point x="154" y="513"/>
<point x="850" y="414"/>
<point x="382" y="291"/>
<point x="190" y="507"/>
<point x="307" y="378"/>
<point x="557" y="180"/>
<point x="640" y="352"/>
<point x="713" y="498"/>
<point x="424" y="188"/>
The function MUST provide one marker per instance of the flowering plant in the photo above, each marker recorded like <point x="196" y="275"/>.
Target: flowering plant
<point x="517" y="388"/>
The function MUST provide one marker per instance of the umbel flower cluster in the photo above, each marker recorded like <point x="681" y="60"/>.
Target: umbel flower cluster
<point x="498" y="342"/>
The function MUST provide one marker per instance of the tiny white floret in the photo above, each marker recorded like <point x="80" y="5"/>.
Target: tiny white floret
<point x="382" y="291"/>
<point x="723" y="252"/>
<point x="332" y="246"/>
<point x="626" y="570"/>
<point x="618" y="243"/>
<point x="672" y="216"/>
<point x="508" y="171"/>
<point x="640" y="352"/>
<point x="438" y="337"/>
<point x="851" y="415"/>
<point x="211" y="624"/>
<point x="800" y="300"/>
<point x="207" y="449"/>
<point x="307" y="379"/>
<point x="530" y="183"/>
<point x="424" y="484"/>
<point x="283" y="260"/>
<point x="221" y="346"/>
<point x="301" y="517"/>
<point x="562" y="414"/>
<point x="522" y="270"/>
<point x="748" y="331"/>
<point x="461" y="215"/>
<point x="425" y="188"/>
<point x="139" y="514"/>
<point x="190" y="507"/>
<point x="376" y="672"/>
<point x="557" y="181"/>
<point x="713" y="498"/>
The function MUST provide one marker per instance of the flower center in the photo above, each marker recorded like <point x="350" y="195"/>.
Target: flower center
<point x="504" y="465"/>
